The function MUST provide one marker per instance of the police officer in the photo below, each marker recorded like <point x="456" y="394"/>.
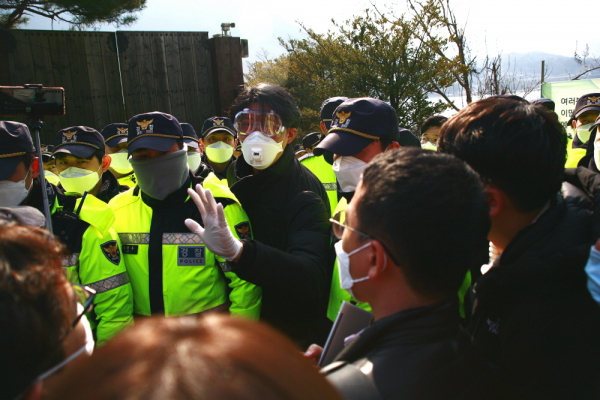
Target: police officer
<point x="320" y="167"/>
<point x="585" y="113"/>
<point x="171" y="270"/>
<point x="115" y="142"/>
<point x="49" y="162"/>
<point x="84" y="223"/>
<point x="360" y="129"/>
<point x="219" y="139"/>
<point x="194" y="153"/>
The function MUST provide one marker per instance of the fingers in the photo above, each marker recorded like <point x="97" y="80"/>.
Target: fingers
<point x="221" y="215"/>
<point x="195" y="227"/>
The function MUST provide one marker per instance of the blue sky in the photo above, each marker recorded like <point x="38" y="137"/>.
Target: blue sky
<point x="500" y="26"/>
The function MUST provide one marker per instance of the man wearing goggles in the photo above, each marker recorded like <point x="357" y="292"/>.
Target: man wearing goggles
<point x="289" y="211"/>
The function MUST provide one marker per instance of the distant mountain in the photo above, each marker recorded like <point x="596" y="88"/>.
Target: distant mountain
<point x="560" y="67"/>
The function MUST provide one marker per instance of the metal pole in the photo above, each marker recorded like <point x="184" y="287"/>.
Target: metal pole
<point x="543" y="71"/>
<point x="36" y="128"/>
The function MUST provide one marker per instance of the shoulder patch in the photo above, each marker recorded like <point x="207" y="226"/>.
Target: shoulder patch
<point x="111" y="251"/>
<point x="243" y="230"/>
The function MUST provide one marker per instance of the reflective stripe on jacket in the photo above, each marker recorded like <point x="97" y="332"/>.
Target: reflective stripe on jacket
<point x="172" y="272"/>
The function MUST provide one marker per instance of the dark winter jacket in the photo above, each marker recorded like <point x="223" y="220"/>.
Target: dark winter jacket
<point x="289" y="258"/>
<point x="533" y="316"/>
<point x="419" y="354"/>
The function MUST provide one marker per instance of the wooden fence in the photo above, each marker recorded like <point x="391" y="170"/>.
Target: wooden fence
<point x="109" y="77"/>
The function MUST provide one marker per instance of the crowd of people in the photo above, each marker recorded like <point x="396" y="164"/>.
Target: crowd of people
<point x="177" y="265"/>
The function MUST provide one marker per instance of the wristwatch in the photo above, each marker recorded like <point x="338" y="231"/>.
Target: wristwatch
<point x="227" y="266"/>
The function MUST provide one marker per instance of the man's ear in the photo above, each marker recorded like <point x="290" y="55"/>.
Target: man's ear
<point x="35" y="167"/>
<point x="35" y="392"/>
<point x="291" y="134"/>
<point x="496" y="200"/>
<point x="393" y="145"/>
<point x="574" y="124"/>
<point x="378" y="260"/>
<point x="106" y="163"/>
<point x="323" y="128"/>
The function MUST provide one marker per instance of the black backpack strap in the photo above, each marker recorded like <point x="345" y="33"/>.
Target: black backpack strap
<point x="350" y="381"/>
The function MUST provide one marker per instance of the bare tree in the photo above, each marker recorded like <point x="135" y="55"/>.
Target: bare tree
<point x="584" y="60"/>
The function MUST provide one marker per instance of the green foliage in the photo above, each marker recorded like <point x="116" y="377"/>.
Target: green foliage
<point x="371" y="55"/>
<point x="78" y="13"/>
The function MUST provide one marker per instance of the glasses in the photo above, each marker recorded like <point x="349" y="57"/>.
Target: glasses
<point x="85" y="296"/>
<point x="339" y="225"/>
<point x="248" y="121"/>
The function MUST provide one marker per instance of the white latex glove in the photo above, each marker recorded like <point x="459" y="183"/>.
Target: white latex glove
<point x="215" y="234"/>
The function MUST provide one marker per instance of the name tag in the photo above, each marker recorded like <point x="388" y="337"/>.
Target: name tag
<point x="130" y="248"/>
<point x="191" y="255"/>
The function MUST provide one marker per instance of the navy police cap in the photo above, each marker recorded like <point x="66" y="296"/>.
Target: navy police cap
<point x="587" y="102"/>
<point x="356" y="123"/>
<point x="311" y="140"/>
<point x="406" y="138"/>
<point x="155" y="130"/>
<point x="114" y="134"/>
<point x="15" y="142"/>
<point x="79" y="141"/>
<point x="189" y="135"/>
<point x="47" y="152"/>
<point x="546" y="103"/>
<point x="327" y="109"/>
<point x="216" y="124"/>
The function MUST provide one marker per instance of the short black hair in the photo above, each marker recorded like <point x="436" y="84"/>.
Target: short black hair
<point x="27" y="159"/>
<point x="276" y="97"/>
<point x="99" y="154"/>
<point x="413" y="197"/>
<point x="434" y="120"/>
<point x="518" y="147"/>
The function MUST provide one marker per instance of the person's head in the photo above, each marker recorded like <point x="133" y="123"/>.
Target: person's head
<point x="327" y="109"/>
<point x="80" y="159"/>
<point x="548" y="104"/>
<point x="299" y="151"/>
<point x="310" y="141"/>
<point x="38" y="310"/>
<point x="430" y="129"/>
<point x="190" y="138"/>
<point x="211" y="357"/>
<point x="18" y="163"/>
<point x="48" y="159"/>
<point x="219" y="139"/>
<point x="158" y="153"/>
<point x="518" y="148"/>
<point x="266" y="118"/>
<point x="406" y="199"/>
<point x="585" y="113"/>
<point x="115" y="145"/>
<point x="361" y="128"/>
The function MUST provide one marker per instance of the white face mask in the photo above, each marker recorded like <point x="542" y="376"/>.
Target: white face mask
<point x="343" y="259"/>
<point x="348" y="170"/>
<point x="88" y="347"/>
<point x="13" y="193"/>
<point x="120" y="162"/>
<point x="597" y="152"/>
<point x="259" y="150"/>
<point x="219" y="152"/>
<point x="79" y="180"/>
<point x="583" y="132"/>
<point x="193" y="160"/>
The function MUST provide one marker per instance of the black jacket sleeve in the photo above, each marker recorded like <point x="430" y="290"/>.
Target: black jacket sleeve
<point x="302" y="271"/>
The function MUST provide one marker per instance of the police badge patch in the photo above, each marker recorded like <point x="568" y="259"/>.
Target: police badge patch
<point x="111" y="251"/>
<point x="243" y="230"/>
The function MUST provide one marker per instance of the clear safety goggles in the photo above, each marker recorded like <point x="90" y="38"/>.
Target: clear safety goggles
<point x="248" y="121"/>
